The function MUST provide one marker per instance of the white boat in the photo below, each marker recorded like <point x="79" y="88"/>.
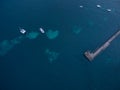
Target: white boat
<point x="22" y="30"/>
<point x="41" y="30"/>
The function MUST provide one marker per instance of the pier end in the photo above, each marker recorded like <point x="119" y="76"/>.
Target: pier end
<point x="89" y="56"/>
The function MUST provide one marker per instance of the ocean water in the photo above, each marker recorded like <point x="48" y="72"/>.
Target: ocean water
<point x="54" y="60"/>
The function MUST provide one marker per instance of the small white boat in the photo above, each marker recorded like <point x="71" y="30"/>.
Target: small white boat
<point x="22" y="30"/>
<point x="109" y="10"/>
<point x="41" y="30"/>
<point x="81" y="6"/>
<point x="99" y="6"/>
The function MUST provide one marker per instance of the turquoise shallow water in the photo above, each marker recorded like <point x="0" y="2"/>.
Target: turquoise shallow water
<point x="54" y="60"/>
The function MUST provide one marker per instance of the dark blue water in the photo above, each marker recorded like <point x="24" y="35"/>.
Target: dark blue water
<point x="26" y="66"/>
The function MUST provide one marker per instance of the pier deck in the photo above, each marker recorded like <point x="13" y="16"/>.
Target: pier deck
<point x="91" y="55"/>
